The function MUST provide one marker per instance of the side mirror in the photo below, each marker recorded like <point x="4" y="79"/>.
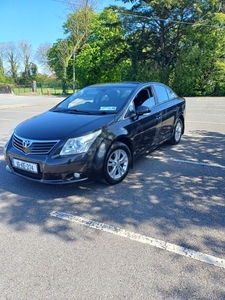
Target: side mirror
<point x="141" y="110"/>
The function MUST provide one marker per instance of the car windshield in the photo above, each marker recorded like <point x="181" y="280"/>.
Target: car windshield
<point x="96" y="100"/>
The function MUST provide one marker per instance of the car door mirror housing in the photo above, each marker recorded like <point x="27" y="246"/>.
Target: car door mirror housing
<point x="141" y="110"/>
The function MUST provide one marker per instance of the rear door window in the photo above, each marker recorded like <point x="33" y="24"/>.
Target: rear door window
<point x="161" y="93"/>
<point x="171" y="94"/>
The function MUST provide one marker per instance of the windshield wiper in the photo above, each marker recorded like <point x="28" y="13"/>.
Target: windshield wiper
<point x="106" y="112"/>
<point x="72" y="111"/>
<point x="78" y="111"/>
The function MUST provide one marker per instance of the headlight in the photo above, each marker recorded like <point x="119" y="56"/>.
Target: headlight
<point x="79" y="144"/>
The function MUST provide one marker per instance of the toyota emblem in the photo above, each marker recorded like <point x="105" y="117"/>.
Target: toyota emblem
<point x="26" y="143"/>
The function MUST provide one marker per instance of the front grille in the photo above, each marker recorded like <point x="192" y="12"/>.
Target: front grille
<point x="28" y="146"/>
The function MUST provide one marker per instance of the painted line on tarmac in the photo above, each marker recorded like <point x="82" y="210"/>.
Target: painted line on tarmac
<point x="210" y="99"/>
<point x="204" y="122"/>
<point x="2" y="157"/>
<point x="190" y="162"/>
<point x="209" y="259"/>
<point x="198" y="163"/>
<point x="195" y="136"/>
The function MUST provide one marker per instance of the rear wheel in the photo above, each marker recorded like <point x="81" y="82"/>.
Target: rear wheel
<point x="117" y="163"/>
<point x="178" y="130"/>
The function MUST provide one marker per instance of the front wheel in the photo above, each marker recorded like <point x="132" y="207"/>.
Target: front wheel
<point x="117" y="163"/>
<point x="177" y="133"/>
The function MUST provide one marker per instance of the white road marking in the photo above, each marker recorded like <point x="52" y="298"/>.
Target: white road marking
<point x="189" y="162"/>
<point x="2" y="157"/>
<point x="204" y="122"/>
<point x="209" y="100"/>
<point x="209" y="259"/>
<point x="195" y="136"/>
<point x="198" y="163"/>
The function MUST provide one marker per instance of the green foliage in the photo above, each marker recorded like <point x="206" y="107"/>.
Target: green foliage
<point x="57" y="57"/>
<point x="180" y="43"/>
<point x="43" y="78"/>
<point x="1" y="68"/>
<point x="199" y="69"/>
<point x="77" y="28"/>
<point x="6" y="79"/>
<point x="101" y="59"/>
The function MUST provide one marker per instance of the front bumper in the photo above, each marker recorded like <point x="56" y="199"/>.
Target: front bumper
<point x="63" y="180"/>
<point x="84" y="168"/>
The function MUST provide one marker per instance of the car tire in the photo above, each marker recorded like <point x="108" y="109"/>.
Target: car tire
<point x="117" y="163"/>
<point x="177" y="132"/>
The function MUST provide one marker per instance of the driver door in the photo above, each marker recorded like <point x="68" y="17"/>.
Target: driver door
<point x="145" y="128"/>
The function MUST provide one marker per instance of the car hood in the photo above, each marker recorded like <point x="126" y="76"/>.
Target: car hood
<point x="57" y="125"/>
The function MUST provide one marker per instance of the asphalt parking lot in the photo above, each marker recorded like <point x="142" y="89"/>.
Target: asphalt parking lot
<point x="160" y="234"/>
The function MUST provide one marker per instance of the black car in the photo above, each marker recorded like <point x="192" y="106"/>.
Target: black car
<point x="96" y="133"/>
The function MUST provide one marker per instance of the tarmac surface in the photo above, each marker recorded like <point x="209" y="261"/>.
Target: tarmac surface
<point x="8" y="101"/>
<point x="157" y="235"/>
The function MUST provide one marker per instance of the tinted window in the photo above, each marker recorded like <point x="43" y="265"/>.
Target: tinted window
<point x="161" y="93"/>
<point x="150" y="102"/>
<point x="130" y="111"/>
<point x="171" y="94"/>
<point x="144" y="98"/>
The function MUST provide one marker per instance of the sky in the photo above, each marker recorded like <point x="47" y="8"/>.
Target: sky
<point x="35" y="21"/>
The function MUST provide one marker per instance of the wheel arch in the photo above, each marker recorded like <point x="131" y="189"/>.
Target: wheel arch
<point x="118" y="161"/>
<point x="182" y="119"/>
<point x="125" y="140"/>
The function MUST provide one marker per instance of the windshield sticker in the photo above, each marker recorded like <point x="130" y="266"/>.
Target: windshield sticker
<point x="108" y="107"/>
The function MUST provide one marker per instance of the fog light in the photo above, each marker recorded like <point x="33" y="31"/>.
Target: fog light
<point x="76" y="175"/>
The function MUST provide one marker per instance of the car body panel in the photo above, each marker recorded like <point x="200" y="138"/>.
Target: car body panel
<point x="143" y="131"/>
<point x="58" y="125"/>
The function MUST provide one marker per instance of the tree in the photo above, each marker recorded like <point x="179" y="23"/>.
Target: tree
<point x="155" y="33"/>
<point x="167" y="38"/>
<point x="100" y="59"/>
<point x="179" y="43"/>
<point x="25" y="53"/>
<point x="1" y="63"/>
<point x="77" y="29"/>
<point x="200" y="69"/>
<point x="58" y="60"/>
<point x="41" y="56"/>
<point x="18" y="57"/>
<point x="11" y="56"/>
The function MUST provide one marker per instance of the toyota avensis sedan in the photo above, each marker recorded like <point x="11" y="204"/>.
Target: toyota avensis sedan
<point x="96" y="133"/>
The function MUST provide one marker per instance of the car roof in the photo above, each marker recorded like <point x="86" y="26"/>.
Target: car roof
<point x="133" y="84"/>
<point x="119" y="84"/>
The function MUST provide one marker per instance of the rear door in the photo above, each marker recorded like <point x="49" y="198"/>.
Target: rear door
<point x="167" y="101"/>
